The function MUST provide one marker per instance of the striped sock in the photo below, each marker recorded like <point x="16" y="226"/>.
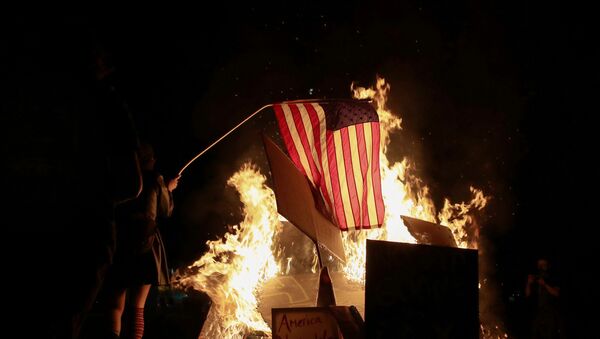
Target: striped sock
<point x="138" y="323"/>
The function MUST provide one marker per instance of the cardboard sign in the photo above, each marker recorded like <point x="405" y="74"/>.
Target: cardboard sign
<point x="421" y="291"/>
<point x="429" y="233"/>
<point x="297" y="202"/>
<point x="304" y="322"/>
<point x="325" y="294"/>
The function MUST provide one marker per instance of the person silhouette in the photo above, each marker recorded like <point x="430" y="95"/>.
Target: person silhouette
<point x="140" y="259"/>
<point x="543" y="289"/>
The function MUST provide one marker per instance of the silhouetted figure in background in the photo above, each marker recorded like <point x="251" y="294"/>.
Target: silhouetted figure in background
<point x="111" y="176"/>
<point x="543" y="290"/>
<point x="68" y="156"/>
<point x="69" y="146"/>
<point x="140" y="259"/>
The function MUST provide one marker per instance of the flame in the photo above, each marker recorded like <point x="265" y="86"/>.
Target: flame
<point x="458" y="216"/>
<point x="234" y="268"/>
<point x="403" y="194"/>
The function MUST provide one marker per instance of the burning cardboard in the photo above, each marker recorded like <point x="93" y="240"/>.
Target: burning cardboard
<point x="243" y="281"/>
<point x="429" y="233"/>
<point x="299" y="204"/>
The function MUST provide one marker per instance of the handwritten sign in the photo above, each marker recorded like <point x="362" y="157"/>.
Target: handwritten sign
<point x="304" y="322"/>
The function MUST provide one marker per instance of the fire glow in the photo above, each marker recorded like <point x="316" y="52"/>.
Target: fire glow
<point x="235" y="267"/>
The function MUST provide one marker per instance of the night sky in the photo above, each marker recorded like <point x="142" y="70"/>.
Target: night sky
<point x="497" y="96"/>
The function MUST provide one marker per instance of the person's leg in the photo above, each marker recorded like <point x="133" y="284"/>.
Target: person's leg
<point x="115" y="304"/>
<point x="139" y="295"/>
<point x="88" y="255"/>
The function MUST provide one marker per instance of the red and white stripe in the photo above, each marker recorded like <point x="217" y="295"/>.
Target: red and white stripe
<point x="342" y="164"/>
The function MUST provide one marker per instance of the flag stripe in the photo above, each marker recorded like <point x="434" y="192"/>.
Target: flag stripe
<point x="355" y="209"/>
<point x="319" y="124"/>
<point x="287" y="137"/>
<point x="341" y="162"/>
<point x="335" y="181"/>
<point x="310" y="139"/>
<point x="297" y="143"/>
<point x="311" y="126"/>
<point x="372" y="209"/>
<point x="341" y="172"/>
<point x="302" y="128"/>
<point x="364" y="168"/>
<point x="375" y="172"/>
<point x="356" y="173"/>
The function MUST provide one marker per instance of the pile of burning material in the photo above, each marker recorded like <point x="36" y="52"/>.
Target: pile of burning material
<point x="243" y="272"/>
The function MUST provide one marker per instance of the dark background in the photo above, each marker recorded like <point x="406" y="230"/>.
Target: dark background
<point x="498" y="96"/>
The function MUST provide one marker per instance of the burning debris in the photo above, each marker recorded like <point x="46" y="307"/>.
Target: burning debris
<point x="236" y="268"/>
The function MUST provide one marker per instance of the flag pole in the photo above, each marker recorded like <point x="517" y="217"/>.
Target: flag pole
<point x="223" y="137"/>
<point x="255" y="113"/>
<point x="325" y="100"/>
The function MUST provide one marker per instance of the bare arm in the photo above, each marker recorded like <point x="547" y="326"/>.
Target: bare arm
<point x="553" y="290"/>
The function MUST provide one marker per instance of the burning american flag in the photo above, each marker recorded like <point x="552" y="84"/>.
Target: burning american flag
<point x="235" y="268"/>
<point x="336" y="145"/>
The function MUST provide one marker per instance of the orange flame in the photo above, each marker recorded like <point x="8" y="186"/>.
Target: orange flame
<point x="234" y="268"/>
<point x="457" y="217"/>
<point x="403" y="194"/>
